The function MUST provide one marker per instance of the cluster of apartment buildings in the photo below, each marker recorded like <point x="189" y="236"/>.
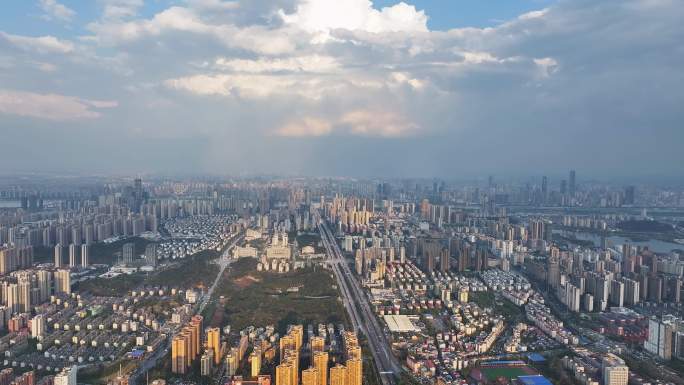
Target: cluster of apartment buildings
<point x="594" y="369"/>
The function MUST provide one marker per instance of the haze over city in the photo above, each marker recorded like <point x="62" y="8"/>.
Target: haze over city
<point x="341" y="192"/>
<point x="359" y="88"/>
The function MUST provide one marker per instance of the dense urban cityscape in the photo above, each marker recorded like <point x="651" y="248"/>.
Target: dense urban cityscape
<point x="291" y="281"/>
<point x="341" y="192"/>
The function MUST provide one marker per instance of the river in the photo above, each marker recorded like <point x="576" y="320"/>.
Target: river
<point x="653" y="244"/>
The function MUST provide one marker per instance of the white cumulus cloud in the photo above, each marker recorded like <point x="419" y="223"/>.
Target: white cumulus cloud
<point x="178" y="19"/>
<point x="307" y="63"/>
<point x="55" y="10"/>
<point x="308" y="126"/>
<point x="50" y="106"/>
<point x="547" y="66"/>
<point x="252" y="86"/>
<point x="355" y="15"/>
<point x="214" y="5"/>
<point x="387" y="124"/>
<point x="381" y="123"/>
<point x="120" y="9"/>
<point x="41" y="44"/>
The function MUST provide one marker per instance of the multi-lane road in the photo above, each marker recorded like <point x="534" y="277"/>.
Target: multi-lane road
<point x="355" y="301"/>
<point x="362" y="317"/>
<point x="224" y="262"/>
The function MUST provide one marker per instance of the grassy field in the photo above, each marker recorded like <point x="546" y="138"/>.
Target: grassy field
<point x="312" y="239"/>
<point x="195" y="271"/>
<point x="112" y="287"/>
<point x="510" y="311"/>
<point x="262" y="298"/>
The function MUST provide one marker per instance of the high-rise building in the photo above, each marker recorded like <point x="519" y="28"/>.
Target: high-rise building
<point x="214" y="343"/>
<point x="320" y="362"/>
<point x="128" y="252"/>
<point x="180" y="352"/>
<point x="6" y="375"/>
<point x="573" y="183"/>
<point x="207" y="363"/>
<point x="630" y="195"/>
<point x="255" y="360"/>
<point x="76" y="237"/>
<point x="429" y="261"/>
<point x="338" y="375"/>
<point x="195" y="328"/>
<point x="614" y="370"/>
<point x="232" y="362"/>
<point x="348" y="243"/>
<point x="572" y="297"/>
<point x="553" y="271"/>
<point x="8" y="260"/>
<point x="24" y="296"/>
<point x="317" y="344"/>
<point x="588" y="302"/>
<point x="151" y="254"/>
<point x="37" y="326"/>
<point x="298" y="332"/>
<point x="310" y="376"/>
<point x="138" y="194"/>
<point x="27" y="378"/>
<point x="89" y="234"/>
<point x="73" y="257"/>
<point x="185" y="346"/>
<point x="540" y="230"/>
<point x="631" y="291"/>
<point x="283" y="374"/>
<point x="354" y="371"/>
<point x="292" y="357"/>
<point x="445" y="260"/>
<point x="287" y="342"/>
<point x="464" y="257"/>
<point x="85" y="255"/>
<point x="617" y="293"/>
<point x="655" y="288"/>
<point x="63" y="281"/>
<point x="353" y="351"/>
<point x="68" y="376"/>
<point x="58" y="255"/>
<point x="45" y="281"/>
<point x="11" y="298"/>
<point x="660" y="336"/>
<point x="425" y="209"/>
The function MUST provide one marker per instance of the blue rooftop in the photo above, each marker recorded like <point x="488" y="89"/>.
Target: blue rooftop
<point x="502" y="362"/>
<point x="536" y="357"/>
<point x="534" y="380"/>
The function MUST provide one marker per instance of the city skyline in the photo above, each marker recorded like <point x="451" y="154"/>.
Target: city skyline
<point x="341" y="192"/>
<point x="382" y="88"/>
<point x="340" y="281"/>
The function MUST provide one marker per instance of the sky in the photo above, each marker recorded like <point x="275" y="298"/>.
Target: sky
<point x="444" y="88"/>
